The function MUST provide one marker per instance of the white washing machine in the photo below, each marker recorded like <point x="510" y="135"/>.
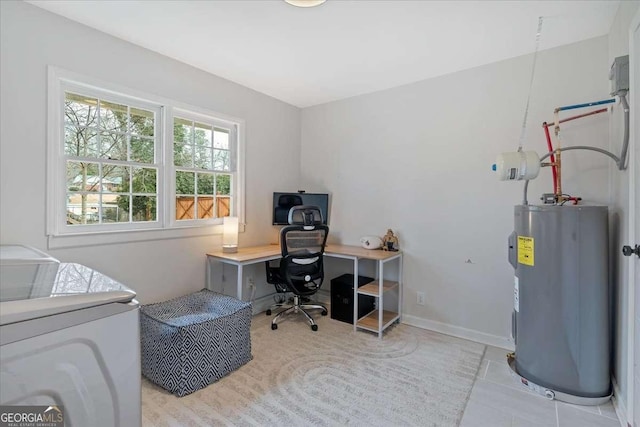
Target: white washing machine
<point x="69" y="336"/>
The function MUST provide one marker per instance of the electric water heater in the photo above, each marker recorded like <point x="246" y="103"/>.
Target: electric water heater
<point x="561" y="322"/>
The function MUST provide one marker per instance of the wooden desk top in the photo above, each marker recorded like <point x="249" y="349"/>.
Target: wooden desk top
<point x="359" y="252"/>
<point x="249" y="254"/>
<point x="264" y="252"/>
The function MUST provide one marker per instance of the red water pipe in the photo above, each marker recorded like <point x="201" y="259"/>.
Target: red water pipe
<point x="554" y="170"/>
<point x="574" y="200"/>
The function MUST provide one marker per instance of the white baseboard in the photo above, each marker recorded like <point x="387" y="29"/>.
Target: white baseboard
<point x="458" y="331"/>
<point x="619" y="403"/>
<point x="263" y="303"/>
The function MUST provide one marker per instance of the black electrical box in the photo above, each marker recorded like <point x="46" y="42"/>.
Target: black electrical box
<point x="342" y="298"/>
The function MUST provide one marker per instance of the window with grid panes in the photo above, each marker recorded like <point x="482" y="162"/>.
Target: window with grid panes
<point x="110" y="161"/>
<point x="204" y="168"/>
<point x="122" y="160"/>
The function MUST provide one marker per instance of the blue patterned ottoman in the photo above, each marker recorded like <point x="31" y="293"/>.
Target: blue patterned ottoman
<point x="192" y="341"/>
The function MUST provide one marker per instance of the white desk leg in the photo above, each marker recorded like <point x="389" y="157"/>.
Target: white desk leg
<point x="355" y="293"/>
<point x="207" y="274"/>
<point x="400" y="289"/>
<point x="380" y="297"/>
<point x="239" y="289"/>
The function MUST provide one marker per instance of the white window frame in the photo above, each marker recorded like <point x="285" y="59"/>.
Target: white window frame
<point x="165" y="227"/>
<point x="235" y="159"/>
<point x="60" y="209"/>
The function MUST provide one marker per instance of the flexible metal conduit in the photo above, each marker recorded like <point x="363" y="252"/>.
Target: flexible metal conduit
<point x="625" y="138"/>
<point x="577" y="147"/>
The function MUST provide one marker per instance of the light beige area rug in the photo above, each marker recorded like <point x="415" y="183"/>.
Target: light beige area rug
<point x="332" y="377"/>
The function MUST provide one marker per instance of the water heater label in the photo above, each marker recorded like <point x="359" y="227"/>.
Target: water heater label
<point x="516" y="294"/>
<point x="525" y="250"/>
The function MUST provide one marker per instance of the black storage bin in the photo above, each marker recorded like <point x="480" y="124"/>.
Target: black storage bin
<point x="342" y="298"/>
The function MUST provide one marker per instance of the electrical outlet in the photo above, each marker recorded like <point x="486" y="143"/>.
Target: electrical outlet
<point x="251" y="282"/>
<point x="421" y="298"/>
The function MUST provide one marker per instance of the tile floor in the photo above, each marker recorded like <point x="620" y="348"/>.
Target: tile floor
<point x="498" y="400"/>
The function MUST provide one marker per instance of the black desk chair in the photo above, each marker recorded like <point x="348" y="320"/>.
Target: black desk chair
<point x="301" y="269"/>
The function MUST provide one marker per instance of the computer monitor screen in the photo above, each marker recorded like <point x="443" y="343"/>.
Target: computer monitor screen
<point x="282" y="202"/>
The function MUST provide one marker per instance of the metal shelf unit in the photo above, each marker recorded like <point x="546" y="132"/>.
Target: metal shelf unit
<point x="381" y="318"/>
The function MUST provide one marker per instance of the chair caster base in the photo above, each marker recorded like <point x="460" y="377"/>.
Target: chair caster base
<point x="314" y="327"/>
<point x="268" y="312"/>
<point x="324" y="312"/>
<point x="274" y="326"/>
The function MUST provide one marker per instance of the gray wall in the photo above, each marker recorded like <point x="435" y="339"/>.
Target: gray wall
<point x="618" y="46"/>
<point x="32" y="39"/>
<point x="418" y="158"/>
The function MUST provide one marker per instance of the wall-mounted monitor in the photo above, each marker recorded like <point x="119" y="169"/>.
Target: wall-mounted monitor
<point x="282" y="202"/>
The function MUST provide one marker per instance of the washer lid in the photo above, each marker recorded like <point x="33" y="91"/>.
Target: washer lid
<point x="75" y="287"/>
<point x="20" y="254"/>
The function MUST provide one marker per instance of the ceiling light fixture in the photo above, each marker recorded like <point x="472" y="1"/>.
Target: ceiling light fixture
<point x="305" y="3"/>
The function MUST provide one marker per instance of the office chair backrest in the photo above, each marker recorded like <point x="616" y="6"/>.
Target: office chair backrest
<point x="306" y="215"/>
<point x="302" y="244"/>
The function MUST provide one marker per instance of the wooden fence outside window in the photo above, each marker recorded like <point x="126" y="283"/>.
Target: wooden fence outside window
<point x="185" y="207"/>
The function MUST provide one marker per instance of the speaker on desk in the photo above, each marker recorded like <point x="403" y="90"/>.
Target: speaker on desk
<point x="342" y="298"/>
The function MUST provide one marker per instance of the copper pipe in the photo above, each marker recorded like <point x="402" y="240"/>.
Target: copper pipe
<point x="558" y="160"/>
<point x="554" y="171"/>
<point x="579" y="116"/>
<point x="559" y="175"/>
<point x="558" y="189"/>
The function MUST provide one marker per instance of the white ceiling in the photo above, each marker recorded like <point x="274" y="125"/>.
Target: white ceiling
<point x="309" y="56"/>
